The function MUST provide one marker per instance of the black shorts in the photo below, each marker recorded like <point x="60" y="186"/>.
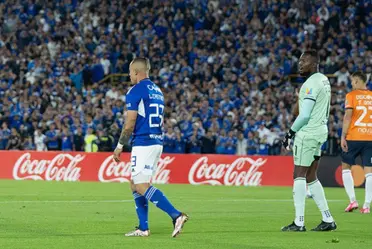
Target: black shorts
<point x="358" y="148"/>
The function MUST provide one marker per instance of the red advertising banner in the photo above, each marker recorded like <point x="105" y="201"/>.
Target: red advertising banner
<point x="193" y="169"/>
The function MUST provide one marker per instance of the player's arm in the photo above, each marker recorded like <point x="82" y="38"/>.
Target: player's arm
<point x="128" y="128"/>
<point x="132" y="102"/>
<point x="303" y="117"/>
<point x="301" y="120"/>
<point x="126" y="132"/>
<point x="347" y="121"/>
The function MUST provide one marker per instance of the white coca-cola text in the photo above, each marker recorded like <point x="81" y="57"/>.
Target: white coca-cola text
<point x="63" y="167"/>
<point x="241" y="172"/>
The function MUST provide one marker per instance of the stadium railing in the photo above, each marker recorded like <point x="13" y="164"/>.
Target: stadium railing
<point x="115" y="78"/>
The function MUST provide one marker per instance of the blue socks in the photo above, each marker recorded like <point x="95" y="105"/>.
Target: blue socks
<point x="142" y="210"/>
<point x="158" y="198"/>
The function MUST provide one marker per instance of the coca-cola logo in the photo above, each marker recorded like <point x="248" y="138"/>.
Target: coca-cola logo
<point x="241" y="172"/>
<point x="111" y="171"/>
<point x="63" y="167"/>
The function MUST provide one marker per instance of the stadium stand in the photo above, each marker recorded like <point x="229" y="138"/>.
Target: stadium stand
<point x="227" y="69"/>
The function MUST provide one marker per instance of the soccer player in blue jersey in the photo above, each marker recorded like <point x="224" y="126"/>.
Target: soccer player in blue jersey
<point x="144" y="123"/>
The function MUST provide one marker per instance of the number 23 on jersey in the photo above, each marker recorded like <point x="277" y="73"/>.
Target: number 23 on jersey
<point x="360" y="101"/>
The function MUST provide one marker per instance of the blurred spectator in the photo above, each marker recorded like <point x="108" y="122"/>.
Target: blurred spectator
<point x="273" y="140"/>
<point x="242" y="145"/>
<point x="78" y="144"/>
<point x="208" y="143"/>
<point x="40" y="139"/>
<point x="263" y="148"/>
<point x="180" y="143"/>
<point x="104" y="142"/>
<point x="90" y="141"/>
<point x="231" y="144"/>
<point x="52" y="137"/>
<point x="29" y="144"/>
<point x="342" y="76"/>
<point x="221" y="143"/>
<point x="66" y="139"/>
<point x="4" y="135"/>
<point x="169" y="141"/>
<point x="263" y="132"/>
<point x="252" y="144"/>
<point x="14" y="142"/>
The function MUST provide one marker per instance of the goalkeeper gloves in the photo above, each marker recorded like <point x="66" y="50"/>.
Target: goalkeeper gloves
<point x="287" y="139"/>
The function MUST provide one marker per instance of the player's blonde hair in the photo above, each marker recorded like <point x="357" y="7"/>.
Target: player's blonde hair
<point x="141" y="64"/>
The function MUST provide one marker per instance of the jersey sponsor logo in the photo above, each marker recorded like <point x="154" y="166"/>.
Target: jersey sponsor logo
<point x="156" y="96"/>
<point x="111" y="171"/>
<point x="242" y="171"/>
<point x="154" y="88"/>
<point x="155" y="136"/>
<point x="63" y="167"/>
<point x="309" y="91"/>
<point x="129" y="105"/>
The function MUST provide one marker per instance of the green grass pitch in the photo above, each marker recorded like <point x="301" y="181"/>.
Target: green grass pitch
<point x="46" y="215"/>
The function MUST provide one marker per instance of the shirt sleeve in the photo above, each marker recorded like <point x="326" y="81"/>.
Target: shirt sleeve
<point x="304" y="116"/>
<point x="132" y="99"/>
<point x="349" y="103"/>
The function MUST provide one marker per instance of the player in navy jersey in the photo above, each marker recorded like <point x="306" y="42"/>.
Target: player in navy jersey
<point x="144" y="123"/>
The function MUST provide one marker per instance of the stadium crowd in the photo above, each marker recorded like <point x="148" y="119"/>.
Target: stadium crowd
<point x="224" y="67"/>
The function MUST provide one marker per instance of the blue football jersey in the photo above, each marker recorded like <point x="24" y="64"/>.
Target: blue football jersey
<point x="147" y="99"/>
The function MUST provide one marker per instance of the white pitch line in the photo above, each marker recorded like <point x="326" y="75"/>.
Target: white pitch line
<point x="124" y="201"/>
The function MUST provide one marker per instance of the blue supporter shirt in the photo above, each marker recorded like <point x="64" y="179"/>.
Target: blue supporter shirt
<point x="221" y="146"/>
<point x="4" y="138"/>
<point x="231" y="147"/>
<point x="147" y="99"/>
<point x="180" y="146"/>
<point x="169" y="144"/>
<point x="50" y="135"/>
<point x="263" y="149"/>
<point x="66" y="142"/>
<point x="252" y="147"/>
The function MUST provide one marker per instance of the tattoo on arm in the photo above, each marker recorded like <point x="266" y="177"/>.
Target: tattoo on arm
<point x="125" y="136"/>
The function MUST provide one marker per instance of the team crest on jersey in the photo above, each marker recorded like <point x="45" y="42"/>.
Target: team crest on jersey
<point x="309" y="91"/>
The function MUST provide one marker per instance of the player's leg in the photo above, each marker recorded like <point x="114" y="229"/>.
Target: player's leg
<point x="317" y="190"/>
<point x="151" y="155"/>
<point x="142" y="210"/>
<point x="299" y="188"/>
<point x="157" y="197"/>
<point x="348" y="159"/>
<point x="367" y="163"/>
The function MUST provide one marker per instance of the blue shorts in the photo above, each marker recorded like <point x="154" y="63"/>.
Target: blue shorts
<point x="358" y="148"/>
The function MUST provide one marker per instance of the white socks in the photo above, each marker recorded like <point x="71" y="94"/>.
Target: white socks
<point x="368" y="196"/>
<point x="317" y="191"/>
<point x="348" y="180"/>
<point x="299" y="197"/>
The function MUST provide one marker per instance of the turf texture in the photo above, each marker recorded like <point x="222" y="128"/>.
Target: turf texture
<point x="45" y="215"/>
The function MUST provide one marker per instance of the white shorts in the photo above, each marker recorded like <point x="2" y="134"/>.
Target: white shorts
<point x="144" y="161"/>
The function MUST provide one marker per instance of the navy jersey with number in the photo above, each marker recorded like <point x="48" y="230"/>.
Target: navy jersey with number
<point x="147" y="99"/>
